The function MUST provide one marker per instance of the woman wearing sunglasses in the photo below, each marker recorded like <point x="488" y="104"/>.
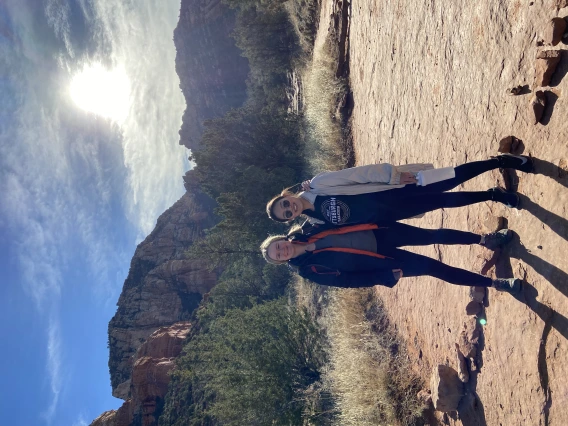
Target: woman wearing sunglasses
<point x="386" y="193"/>
<point x="367" y="255"/>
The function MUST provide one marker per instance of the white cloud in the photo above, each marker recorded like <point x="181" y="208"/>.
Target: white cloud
<point x="53" y="366"/>
<point x="56" y="188"/>
<point x="141" y="41"/>
<point x="57" y="13"/>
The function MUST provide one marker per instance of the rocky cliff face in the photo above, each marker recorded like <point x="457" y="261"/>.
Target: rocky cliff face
<point x="149" y="384"/>
<point x="211" y="69"/>
<point x="162" y="287"/>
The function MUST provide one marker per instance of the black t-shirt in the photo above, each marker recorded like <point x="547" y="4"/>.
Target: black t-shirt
<point x="347" y="209"/>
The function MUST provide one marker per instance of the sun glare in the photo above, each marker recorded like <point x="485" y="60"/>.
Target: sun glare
<point x="102" y="92"/>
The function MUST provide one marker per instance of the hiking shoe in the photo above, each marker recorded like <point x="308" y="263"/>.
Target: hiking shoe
<point x="497" y="239"/>
<point x="510" y="199"/>
<point x="509" y="285"/>
<point x="517" y="162"/>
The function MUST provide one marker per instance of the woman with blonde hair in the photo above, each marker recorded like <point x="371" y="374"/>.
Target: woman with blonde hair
<point x="366" y="255"/>
<point x="386" y="193"/>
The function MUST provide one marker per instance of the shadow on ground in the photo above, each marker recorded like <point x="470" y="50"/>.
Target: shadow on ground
<point x="554" y="275"/>
<point x="556" y="173"/>
<point x="551" y="99"/>
<point x="557" y="223"/>
<point x="470" y="410"/>
<point x="529" y="297"/>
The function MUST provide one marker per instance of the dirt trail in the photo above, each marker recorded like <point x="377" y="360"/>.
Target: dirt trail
<point x="429" y="81"/>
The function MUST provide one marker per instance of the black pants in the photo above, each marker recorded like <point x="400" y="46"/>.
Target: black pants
<point x="413" y="200"/>
<point x="397" y="235"/>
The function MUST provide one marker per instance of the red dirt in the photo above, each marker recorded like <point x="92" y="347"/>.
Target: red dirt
<point x="429" y="80"/>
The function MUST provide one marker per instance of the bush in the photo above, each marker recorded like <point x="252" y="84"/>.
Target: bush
<point x="250" y="367"/>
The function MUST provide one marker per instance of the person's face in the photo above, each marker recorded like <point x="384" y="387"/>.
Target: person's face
<point x="281" y="250"/>
<point x="288" y="208"/>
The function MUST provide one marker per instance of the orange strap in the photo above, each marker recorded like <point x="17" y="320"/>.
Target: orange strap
<point x="353" y="251"/>
<point x="343" y="230"/>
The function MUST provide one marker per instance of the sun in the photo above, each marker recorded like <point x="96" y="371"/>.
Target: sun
<point x="103" y="92"/>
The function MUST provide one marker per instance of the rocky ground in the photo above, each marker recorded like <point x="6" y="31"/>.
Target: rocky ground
<point x="430" y="83"/>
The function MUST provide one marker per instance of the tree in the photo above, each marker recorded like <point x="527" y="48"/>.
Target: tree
<point x="252" y="365"/>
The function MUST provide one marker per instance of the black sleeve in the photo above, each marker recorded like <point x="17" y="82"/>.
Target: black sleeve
<point x="384" y="277"/>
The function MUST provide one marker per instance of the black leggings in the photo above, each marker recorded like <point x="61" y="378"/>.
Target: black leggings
<point x="413" y="200"/>
<point x="400" y="234"/>
<point x="415" y="265"/>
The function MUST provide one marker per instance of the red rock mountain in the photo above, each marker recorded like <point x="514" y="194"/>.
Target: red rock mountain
<point x="211" y="69"/>
<point x="161" y="291"/>
<point x="149" y="383"/>
<point x="163" y="287"/>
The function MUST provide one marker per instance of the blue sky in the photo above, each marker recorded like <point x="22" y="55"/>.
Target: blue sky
<point x="77" y="193"/>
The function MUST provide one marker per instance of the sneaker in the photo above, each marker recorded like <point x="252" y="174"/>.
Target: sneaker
<point x="497" y="239"/>
<point x="517" y="162"/>
<point x="510" y="199"/>
<point x="509" y="285"/>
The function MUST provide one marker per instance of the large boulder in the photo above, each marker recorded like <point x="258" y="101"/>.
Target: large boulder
<point x="446" y="388"/>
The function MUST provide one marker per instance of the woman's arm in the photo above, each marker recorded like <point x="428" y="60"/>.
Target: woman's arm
<point x="385" y="277"/>
<point x="382" y="174"/>
<point x="373" y="173"/>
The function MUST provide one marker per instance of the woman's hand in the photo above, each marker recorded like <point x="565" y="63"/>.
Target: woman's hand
<point x="306" y="185"/>
<point x="407" y="177"/>
<point x="397" y="274"/>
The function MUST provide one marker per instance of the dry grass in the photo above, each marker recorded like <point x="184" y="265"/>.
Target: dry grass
<point x="322" y="93"/>
<point x="368" y="380"/>
<point x="309" y="296"/>
<point x="319" y="91"/>
<point x="370" y="376"/>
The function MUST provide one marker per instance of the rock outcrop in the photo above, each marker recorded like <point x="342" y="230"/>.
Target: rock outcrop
<point x="554" y="30"/>
<point x="545" y="65"/>
<point x="446" y="387"/>
<point x="211" y="69"/>
<point x="149" y="383"/>
<point x="163" y="286"/>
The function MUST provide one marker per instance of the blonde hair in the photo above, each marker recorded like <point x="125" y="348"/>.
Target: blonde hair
<point x="264" y="249"/>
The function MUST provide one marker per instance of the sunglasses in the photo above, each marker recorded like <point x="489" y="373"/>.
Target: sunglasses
<point x="286" y="205"/>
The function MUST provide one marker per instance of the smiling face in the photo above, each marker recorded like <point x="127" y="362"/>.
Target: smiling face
<point x="287" y="208"/>
<point x="281" y="250"/>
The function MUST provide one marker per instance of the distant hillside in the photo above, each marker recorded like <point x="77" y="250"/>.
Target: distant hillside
<point x="210" y="67"/>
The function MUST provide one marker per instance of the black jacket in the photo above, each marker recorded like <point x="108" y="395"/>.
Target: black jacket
<point x="343" y="267"/>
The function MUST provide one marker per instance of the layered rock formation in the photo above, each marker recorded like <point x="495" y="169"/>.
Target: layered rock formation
<point x="211" y="69"/>
<point x="149" y="383"/>
<point x="162" y="287"/>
